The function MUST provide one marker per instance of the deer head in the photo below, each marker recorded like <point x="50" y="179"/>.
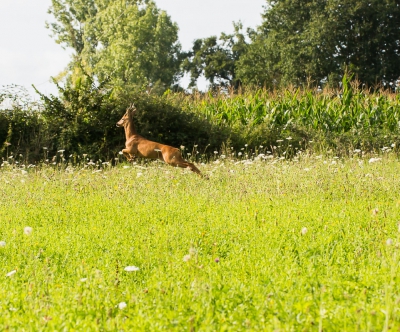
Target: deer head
<point x="127" y="116"/>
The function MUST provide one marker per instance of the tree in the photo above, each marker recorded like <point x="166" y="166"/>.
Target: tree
<point x="303" y="39"/>
<point x="131" y="42"/>
<point x="216" y="58"/>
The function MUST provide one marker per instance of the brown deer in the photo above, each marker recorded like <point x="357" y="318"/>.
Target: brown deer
<point x="139" y="146"/>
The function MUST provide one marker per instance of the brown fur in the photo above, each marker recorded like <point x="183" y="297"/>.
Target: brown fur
<point x="139" y="146"/>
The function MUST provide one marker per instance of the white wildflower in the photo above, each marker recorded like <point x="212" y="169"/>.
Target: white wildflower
<point x="2" y="244"/>
<point x="374" y="160"/>
<point x="28" y="230"/>
<point x="186" y="258"/>
<point x="122" y="305"/>
<point x="131" y="268"/>
<point x="11" y="273"/>
<point x="304" y="231"/>
<point x="389" y="242"/>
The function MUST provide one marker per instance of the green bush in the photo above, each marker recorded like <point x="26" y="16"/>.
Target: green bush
<point x="82" y="120"/>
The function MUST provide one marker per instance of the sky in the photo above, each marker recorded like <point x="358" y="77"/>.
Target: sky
<point x="29" y="55"/>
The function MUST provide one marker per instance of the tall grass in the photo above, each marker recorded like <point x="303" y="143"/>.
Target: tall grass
<point x="265" y="244"/>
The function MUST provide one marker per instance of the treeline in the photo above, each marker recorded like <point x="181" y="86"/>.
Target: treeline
<point x="135" y="45"/>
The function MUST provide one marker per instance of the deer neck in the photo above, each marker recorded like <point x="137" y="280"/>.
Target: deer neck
<point x="129" y="130"/>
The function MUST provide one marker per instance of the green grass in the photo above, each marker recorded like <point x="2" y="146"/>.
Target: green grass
<point x="250" y="266"/>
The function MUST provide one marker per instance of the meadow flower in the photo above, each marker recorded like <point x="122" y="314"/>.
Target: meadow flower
<point x="182" y="147"/>
<point x="186" y="258"/>
<point x="121" y="153"/>
<point x="389" y="242"/>
<point x="122" y="305"/>
<point x="239" y="154"/>
<point x="215" y="152"/>
<point x="28" y="230"/>
<point x="393" y="145"/>
<point x="374" y="160"/>
<point x="216" y="260"/>
<point x="2" y="244"/>
<point x="11" y="273"/>
<point x="83" y="279"/>
<point x="375" y="211"/>
<point x="131" y="268"/>
<point x="304" y="231"/>
<point x="138" y="175"/>
<point x="157" y="150"/>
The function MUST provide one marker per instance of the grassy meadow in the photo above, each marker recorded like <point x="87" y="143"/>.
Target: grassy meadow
<point x="265" y="244"/>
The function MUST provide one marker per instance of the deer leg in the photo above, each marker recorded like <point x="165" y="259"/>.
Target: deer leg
<point x="128" y="155"/>
<point x="185" y="164"/>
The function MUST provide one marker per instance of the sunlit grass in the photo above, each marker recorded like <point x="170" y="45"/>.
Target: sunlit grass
<point x="309" y="244"/>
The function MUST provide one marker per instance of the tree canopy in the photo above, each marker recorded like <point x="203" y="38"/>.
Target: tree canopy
<point x="134" y="44"/>
<point x="216" y="58"/>
<point x="130" y="42"/>
<point x="307" y="39"/>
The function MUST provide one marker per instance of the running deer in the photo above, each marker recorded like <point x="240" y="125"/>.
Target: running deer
<point x="139" y="146"/>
